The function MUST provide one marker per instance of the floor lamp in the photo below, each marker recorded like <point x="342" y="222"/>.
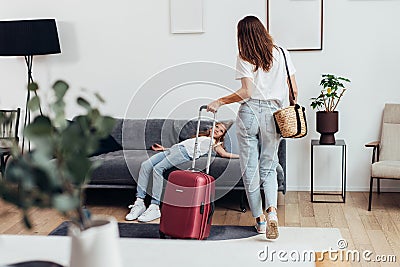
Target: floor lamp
<point x="29" y="38"/>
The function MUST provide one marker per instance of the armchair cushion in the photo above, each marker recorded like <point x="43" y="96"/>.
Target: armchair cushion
<point x="390" y="142"/>
<point x="386" y="169"/>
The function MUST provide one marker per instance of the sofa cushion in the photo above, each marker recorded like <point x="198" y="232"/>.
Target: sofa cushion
<point x="133" y="134"/>
<point x="141" y="134"/>
<point x="187" y="129"/>
<point x="106" y="145"/>
<point x="118" y="167"/>
<point x="225" y="171"/>
<point x="113" y="169"/>
<point x="136" y="137"/>
<point x="231" y="142"/>
<point x="116" y="133"/>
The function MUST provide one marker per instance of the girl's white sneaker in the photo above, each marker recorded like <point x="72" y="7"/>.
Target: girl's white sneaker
<point x="136" y="210"/>
<point x="152" y="213"/>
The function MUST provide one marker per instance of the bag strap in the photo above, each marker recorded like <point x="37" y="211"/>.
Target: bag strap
<point x="288" y="74"/>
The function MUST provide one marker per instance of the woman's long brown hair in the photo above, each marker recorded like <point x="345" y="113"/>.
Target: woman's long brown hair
<point x="255" y="43"/>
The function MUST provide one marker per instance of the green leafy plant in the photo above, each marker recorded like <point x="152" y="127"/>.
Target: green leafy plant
<point x="331" y="94"/>
<point x="54" y="173"/>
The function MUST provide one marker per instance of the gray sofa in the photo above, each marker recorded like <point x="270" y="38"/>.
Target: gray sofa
<point x="130" y="142"/>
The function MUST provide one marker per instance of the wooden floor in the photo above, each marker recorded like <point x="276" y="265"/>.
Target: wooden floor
<point x="378" y="230"/>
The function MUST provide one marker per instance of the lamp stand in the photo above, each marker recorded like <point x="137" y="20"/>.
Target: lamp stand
<point x="27" y="119"/>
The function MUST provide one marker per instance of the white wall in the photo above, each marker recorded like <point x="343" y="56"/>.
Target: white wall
<point x="118" y="47"/>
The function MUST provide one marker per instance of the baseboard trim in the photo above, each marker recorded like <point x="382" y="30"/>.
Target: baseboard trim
<point x="348" y="189"/>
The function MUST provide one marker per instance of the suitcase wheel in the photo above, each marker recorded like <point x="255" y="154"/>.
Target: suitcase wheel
<point x="162" y="235"/>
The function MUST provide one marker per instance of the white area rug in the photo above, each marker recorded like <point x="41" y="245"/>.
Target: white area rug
<point x="244" y="252"/>
<point x="289" y="248"/>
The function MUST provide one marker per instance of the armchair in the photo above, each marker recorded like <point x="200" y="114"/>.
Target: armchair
<point x="386" y="152"/>
<point x="9" y="121"/>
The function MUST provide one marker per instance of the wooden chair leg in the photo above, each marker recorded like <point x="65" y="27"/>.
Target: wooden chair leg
<point x="378" y="185"/>
<point x="371" y="183"/>
<point x="2" y="165"/>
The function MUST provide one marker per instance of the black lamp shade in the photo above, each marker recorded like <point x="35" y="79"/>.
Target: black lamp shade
<point x="29" y="37"/>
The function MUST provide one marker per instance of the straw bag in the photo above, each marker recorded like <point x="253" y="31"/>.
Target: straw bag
<point x="291" y="121"/>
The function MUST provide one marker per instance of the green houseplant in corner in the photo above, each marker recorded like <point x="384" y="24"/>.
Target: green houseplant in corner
<point x="329" y="98"/>
<point x="54" y="173"/>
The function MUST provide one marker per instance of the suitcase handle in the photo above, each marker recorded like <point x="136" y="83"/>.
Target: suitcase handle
<point x="197" y="140"/>
<point x="203" y="107"/>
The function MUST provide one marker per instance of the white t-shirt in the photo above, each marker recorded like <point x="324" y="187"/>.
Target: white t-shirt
<point x="202" y="148"/>
<point x="271" y="85"/>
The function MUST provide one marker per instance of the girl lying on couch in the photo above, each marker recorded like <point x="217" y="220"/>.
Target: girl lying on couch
<point x="155" y="166"/>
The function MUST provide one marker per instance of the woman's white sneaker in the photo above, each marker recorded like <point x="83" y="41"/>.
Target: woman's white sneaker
<point x="136" y="210"/>
<point x="152" y="213"/>
<point x="272" y="226"/>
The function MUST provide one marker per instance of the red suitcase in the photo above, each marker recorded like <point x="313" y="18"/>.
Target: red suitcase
<point x="188" y="203"/>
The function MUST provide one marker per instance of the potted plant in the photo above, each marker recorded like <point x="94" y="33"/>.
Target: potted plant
<point x="54" y="173"/>
<point x="330" y="96"/>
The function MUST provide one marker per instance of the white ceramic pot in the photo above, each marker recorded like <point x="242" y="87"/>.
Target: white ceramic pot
<point x="96" y="246"/>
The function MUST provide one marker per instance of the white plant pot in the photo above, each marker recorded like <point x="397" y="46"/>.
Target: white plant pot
<point x="96" y="246"/>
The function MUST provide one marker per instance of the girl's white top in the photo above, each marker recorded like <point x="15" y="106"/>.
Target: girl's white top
<point x="202" y="148"/>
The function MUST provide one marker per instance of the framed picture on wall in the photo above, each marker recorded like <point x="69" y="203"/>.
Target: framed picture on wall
<point x="186" y="16"/>
<point x="296" y="24"/>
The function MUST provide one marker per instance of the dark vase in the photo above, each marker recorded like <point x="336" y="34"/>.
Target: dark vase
<point x="327" y="126"/>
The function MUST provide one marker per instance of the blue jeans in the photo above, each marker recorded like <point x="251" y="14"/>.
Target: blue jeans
<point x="155" y="166"/>
<point x="258" y="151"/>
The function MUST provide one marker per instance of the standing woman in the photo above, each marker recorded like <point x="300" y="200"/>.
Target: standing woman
<point x="261" y="68"/>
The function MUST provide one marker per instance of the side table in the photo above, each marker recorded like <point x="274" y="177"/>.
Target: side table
<point x="341" y="143"/>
